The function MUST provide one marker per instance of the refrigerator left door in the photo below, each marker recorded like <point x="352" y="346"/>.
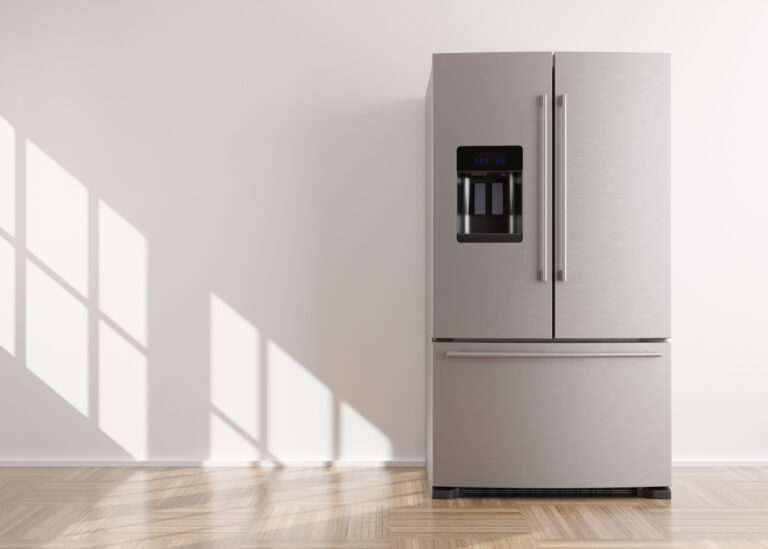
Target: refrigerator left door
<point x="491" y="195"/>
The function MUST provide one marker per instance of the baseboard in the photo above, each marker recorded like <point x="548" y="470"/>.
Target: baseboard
<point x="720" y="464"/>
<point x="214" y="463"/>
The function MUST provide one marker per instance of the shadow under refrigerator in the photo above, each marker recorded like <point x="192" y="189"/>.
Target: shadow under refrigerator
<point x="548" y="274"/>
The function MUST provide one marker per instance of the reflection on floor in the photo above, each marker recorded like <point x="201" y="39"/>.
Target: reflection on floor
<point x="79" y="507"/>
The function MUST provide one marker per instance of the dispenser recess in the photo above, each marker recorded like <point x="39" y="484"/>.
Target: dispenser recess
<point x="489" y="194"/>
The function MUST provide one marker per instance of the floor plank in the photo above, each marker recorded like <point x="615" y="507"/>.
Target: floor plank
<point x="374" y="508"/>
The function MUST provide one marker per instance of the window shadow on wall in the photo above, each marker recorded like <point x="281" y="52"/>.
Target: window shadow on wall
<point x="189" y="308"/>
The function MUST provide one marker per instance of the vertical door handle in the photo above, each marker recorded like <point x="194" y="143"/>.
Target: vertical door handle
<point x="563" y="189"/>
<point x="543" y="148"/>
<point x="466" y="205"/>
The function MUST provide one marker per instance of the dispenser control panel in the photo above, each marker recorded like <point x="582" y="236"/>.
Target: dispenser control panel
<point x="489" y="194"/>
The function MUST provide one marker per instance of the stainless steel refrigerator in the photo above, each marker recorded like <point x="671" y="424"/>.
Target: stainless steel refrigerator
<point x="548" y="274"/>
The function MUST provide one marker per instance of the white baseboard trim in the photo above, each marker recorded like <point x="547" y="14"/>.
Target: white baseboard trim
<point x="215" y="463"/>
<point x="720" y="464"/>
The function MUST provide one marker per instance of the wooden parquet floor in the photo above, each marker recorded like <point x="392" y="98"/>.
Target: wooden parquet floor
<point x="190" y="507"/>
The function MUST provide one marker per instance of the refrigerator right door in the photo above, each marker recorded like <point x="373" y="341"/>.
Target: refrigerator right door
<point x="612" y="195"/>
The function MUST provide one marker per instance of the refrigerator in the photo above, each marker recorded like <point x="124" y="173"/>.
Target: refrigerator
<point x="548" y="274"/>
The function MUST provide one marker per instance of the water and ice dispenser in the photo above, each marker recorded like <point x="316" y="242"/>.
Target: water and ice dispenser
<point x="489" y="186"/>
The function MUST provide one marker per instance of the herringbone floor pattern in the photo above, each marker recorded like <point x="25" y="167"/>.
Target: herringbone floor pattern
<point x="86" y="507"/>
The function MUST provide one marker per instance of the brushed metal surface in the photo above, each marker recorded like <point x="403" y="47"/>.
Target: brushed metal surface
<point x="488" y="289"/>
<point x="618" y="207"/>
<point x="551" y="423"/>
<point x="430" y="266"/>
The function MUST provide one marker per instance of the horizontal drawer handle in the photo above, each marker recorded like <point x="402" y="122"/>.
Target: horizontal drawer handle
<point x="491" y="354"/>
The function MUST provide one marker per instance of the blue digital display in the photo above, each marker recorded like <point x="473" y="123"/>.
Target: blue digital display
<point x="489" y="158"/>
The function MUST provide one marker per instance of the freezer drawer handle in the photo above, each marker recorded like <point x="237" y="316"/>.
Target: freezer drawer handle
<point x="563" y="189"/>
<point x="543" y="194"/>
<point x="491" y="354"/>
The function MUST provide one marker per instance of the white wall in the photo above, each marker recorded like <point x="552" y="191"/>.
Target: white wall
<point x="212" y="220"/>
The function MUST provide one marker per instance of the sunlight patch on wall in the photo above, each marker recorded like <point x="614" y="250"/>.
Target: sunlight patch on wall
<point x="57" y="218"/>
<point x="122" y="273"/>
<point x="361" y="439"/>
<point x="7" y="296"/>
<point x="234" y="384"/>
<point x="57" y="338"/>
<point x="7" y="177"/>
<point x="122" y="392"/>
<point x="228" y="442"/>
<point x="300" y="415"/>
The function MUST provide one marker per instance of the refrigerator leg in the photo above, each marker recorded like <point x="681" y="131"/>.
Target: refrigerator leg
<point x="655" y="492"/>
<point x="446" y="492"/>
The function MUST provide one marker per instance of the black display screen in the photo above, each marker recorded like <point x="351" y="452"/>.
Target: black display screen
<point x="489" y="158"/>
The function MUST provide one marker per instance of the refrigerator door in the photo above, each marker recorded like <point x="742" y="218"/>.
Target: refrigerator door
<point x="550" y="415"/>
<point x="612" y="195"/>
<point x="496" y="107"/>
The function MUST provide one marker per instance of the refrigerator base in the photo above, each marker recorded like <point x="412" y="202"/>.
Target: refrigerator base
<point x="648" y="492"/>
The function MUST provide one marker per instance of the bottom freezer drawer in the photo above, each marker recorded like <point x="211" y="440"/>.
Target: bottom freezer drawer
<point x="551" y="415"/>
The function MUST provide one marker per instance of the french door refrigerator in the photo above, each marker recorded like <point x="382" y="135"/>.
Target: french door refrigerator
<point x="548" y="274"/>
